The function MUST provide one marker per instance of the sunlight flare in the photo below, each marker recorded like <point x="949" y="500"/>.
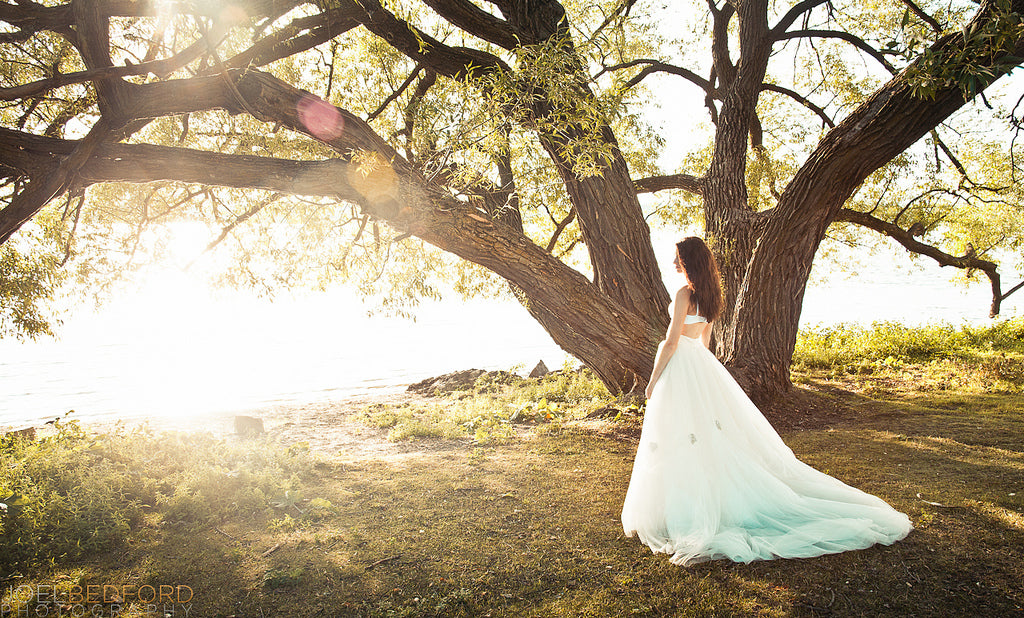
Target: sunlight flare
<point x="322" y="119"/>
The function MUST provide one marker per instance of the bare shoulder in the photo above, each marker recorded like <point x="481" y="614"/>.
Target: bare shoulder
<point x="683" y="295"/>
<point x="681" y="304"/>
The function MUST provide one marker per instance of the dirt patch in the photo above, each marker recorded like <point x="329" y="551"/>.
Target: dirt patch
<point x="329" y="428"/>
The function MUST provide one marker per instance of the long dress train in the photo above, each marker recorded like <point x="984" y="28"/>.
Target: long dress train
<point x="712" y="479"/>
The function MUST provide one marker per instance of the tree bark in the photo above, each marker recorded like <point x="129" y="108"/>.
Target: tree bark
<point x="609" y="214"/>
<point x="617" y="237"/>
<point x="767" y="312"/>
<point x="731" y="225"/>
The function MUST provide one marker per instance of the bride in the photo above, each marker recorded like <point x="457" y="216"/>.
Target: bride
<point x="712" y="479"/>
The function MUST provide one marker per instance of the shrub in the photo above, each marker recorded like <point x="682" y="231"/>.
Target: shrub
<point x="73" y="493"/>
<point x="887" y="343"/>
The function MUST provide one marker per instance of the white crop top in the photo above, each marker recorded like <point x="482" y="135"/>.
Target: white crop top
<point x="696" y="318"/>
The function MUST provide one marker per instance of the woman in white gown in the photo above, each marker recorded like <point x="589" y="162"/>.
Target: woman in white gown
<point x="712" y="479"/>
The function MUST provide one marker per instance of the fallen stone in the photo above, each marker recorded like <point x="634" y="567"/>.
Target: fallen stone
<point x="248" y="426"/>
<point x="28" y="433"/>
<point x="540" y="370"/>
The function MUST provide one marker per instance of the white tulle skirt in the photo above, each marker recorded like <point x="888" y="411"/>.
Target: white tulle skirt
<point x="712" y="479"/>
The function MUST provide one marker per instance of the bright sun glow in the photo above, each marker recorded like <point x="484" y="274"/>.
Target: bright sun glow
<point x="185" y="242"/>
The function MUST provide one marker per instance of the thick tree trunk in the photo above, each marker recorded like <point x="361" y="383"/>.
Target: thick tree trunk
<point x="608" y="211"/>
<point x="731" y="225"/>
<point x="732" y="235"/>
<point x="761" y="334"/>
<point x="767" y="315"/>
<point x="617" y="237"/>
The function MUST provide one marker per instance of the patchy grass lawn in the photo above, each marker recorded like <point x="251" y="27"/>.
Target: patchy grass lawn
<point x="490" y="517"/>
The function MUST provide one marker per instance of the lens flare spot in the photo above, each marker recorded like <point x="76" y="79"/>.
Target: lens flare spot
<point x="321" y="119"/>
<point x="233" y="14"/>
<point x="373" y="176"/>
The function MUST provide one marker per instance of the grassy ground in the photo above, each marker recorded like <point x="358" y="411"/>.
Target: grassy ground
<point x="483" y="516"/>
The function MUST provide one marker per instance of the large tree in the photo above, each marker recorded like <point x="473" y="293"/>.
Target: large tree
<point x="487" y="130"/>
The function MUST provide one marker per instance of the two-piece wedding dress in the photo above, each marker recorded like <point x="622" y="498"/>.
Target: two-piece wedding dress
<point x="712" y="479"/>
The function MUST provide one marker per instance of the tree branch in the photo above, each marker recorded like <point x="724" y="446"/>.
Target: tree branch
<point x="506" y="198"/>
<point x="1012" y="290"/>
<point x="144" y="163"/>
<point x="941" y="145"/>
<point x="455" y="62"/>
<point x="656" y="66"/>
<point x="622" y="8"/>
<point x="802" y="100"/>
<point x="967" y="262"/>
<point x="535" y="21"/>
<point x="38" y="87"/>
<point x="411" y="109"/>
<point x="394" y="95"/>
<point x="721" y="63"/>
<point x="686" y="182"/>
<point x="925" y="17"/>
<point x="93" y="28"/>
<point x="181" y="96"/>
<point x="838" y="34"/>
<point x="33" y="17"/>
<point x="42" y="188"/>
<point x="301" y="34"/>
<point x="794" y="13"/>
<point x="476" y="21"/>
<point x="559" y="228"/>
<point x="240" y="219"/>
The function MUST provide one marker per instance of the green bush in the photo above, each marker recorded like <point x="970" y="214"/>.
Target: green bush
<point x="855" y="347"/>
<point x="72" y="493"/>
<point x="565" y="386"/>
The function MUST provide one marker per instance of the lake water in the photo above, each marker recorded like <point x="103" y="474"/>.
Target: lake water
<point x="177" y="353"/>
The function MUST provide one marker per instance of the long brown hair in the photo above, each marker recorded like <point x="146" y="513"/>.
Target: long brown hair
<point x="702" y="270"/>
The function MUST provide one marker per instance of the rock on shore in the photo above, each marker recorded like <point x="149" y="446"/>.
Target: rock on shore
<point x="464" y="380"/>
<point x="455" y="381"/>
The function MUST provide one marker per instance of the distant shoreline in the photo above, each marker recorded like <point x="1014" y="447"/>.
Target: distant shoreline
<point x="218" y="422"/>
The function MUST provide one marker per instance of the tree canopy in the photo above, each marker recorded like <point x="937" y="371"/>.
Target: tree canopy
<point x="501" y="145"/>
